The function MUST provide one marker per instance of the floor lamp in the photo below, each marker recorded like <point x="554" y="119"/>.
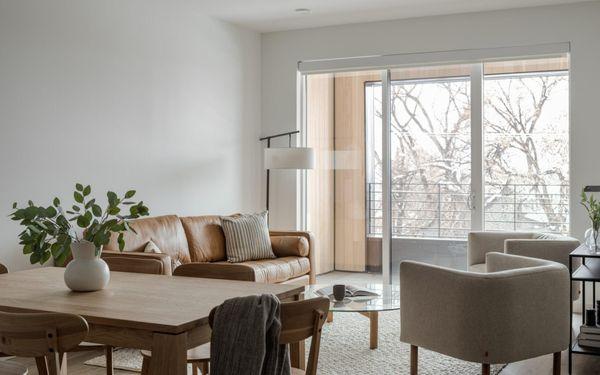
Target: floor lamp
<point x="296" y="158"/>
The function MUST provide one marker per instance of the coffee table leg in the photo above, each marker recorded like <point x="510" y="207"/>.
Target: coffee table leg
<point x="374" y="320"/>
<point x="374" y="327"/>
<point x="330" y="317"/>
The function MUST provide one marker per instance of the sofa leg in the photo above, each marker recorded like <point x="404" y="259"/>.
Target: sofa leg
<point x="556" y="363"/>
<point x="414" y="360"/>
<point x="485" y="369"/>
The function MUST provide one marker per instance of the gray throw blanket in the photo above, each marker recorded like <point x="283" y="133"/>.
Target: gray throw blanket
<point x="245" y="338"/>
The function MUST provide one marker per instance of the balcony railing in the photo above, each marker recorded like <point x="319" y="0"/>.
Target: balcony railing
<point x="444" y="210"/>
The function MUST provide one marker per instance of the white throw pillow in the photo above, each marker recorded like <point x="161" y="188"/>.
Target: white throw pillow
<point x="247" y="237"/>
<point x="151" y="247"/>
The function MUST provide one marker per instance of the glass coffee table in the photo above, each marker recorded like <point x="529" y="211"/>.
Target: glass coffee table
<point x="388" y="298"/>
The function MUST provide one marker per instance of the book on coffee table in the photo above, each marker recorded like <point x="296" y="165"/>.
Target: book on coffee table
<point x="351" y="291"/>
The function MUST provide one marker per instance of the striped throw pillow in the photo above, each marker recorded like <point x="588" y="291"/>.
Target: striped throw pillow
<point x="247" y="237"/>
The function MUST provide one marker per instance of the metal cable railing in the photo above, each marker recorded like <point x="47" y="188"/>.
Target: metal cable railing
<point x="443" y="210"/>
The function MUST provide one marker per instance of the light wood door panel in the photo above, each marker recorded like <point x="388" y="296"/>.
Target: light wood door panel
<point x="350" y="206"/>
<point x="320" y="183"/>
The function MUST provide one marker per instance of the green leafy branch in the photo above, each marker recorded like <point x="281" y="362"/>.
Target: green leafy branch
<point x="49" y="231"/>
<point x="592" y="207"/>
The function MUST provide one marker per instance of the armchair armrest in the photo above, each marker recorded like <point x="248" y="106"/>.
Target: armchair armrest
<point x="483" y="313"/>
<point x="481" y="243"/>
<point x="554" y="250"/>
<point x="133" y="261"/>
<point x="311" y="248"/>
<point x="497" y="262"/>
<point x="223" y="271"/>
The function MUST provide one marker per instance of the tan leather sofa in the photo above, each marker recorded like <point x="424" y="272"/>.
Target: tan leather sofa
<point x="200" y="239"/>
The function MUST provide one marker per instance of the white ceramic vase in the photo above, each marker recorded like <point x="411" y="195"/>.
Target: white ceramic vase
<point x="87" y="272"/>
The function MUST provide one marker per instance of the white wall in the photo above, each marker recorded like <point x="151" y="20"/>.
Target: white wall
<point x="578" y="24"/>
<point x="143" y="94"/>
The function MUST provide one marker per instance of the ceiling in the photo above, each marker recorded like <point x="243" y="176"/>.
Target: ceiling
<point x="276" y="15"/>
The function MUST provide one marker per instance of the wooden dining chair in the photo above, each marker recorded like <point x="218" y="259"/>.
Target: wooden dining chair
<point x="44" y="336"/>
<point x="83" y="347"/>
<point x="299" y="321"/>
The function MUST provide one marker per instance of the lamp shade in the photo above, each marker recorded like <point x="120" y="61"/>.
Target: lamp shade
<point x="289" y="158"/>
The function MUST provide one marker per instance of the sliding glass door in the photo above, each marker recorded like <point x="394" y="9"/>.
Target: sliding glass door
<point x="430" y="164"/>
<point x="422" y="155"/>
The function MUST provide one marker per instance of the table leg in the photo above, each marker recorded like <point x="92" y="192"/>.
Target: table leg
<point x="330" y="317"/>
<point x="169" y="354"/>
<point x="374" y="320"/>
<point x="374" y="327"/>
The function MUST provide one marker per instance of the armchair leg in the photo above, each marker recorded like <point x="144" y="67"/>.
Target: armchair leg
<point x="556" y="364"/>
<point x="485" y="369"/>
<point x="414" y="360"/>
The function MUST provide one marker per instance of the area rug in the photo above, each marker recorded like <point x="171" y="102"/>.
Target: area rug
<point x="345" y="350"/>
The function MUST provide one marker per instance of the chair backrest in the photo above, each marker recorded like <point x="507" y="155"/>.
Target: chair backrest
<point x="3" y="269"/>
<point x="40" y="334"/>
<point x="299" y="321"/>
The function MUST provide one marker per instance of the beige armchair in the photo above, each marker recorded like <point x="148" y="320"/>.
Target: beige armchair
<point x="506" y="315"/>
<point x="535" y="245"/>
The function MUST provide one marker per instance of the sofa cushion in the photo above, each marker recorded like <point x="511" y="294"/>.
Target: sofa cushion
<point x="165" y="231"/>
<point x="205" y="238"/>
<point x="247" y="237"/>
<point x="277" y="270"/>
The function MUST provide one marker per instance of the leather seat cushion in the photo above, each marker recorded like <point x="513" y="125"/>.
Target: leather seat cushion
<point x="277" y="270"/>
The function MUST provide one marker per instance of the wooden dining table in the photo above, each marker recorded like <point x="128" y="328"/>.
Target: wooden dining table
<point x="165" y="314"/>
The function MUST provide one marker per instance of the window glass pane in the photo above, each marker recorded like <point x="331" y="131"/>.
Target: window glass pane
<point x="526" y="146"/>
<point x="430" y="151"/>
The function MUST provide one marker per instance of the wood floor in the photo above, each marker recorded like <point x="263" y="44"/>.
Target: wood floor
<point x="582" y="365"/>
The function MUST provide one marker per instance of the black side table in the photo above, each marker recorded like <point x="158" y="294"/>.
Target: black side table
<point x="588" y="271"/>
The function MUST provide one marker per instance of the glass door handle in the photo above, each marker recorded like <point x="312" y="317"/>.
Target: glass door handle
<point x="470" y="200"/>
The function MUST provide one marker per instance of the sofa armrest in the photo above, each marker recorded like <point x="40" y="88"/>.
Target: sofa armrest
<point x="133" y="261"/>
<point x="223" y="271"/>
<point x="290" y="246"/>
<point x="311" y="248"/>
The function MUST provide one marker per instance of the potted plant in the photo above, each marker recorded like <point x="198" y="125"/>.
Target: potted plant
<point x="82" y="230"/>
<point x="592" y="207"/>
